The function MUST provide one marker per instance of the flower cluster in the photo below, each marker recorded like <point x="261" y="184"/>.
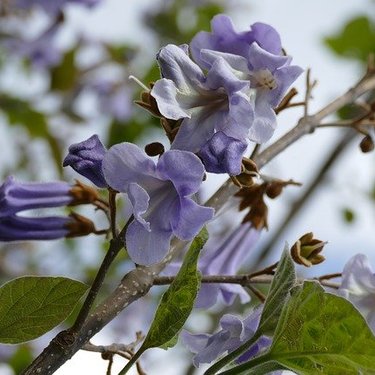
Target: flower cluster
<point x="218" y="102"/>
<point x="232" y="89"/>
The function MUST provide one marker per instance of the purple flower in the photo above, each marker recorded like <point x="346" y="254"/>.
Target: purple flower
<point x="114" y="99"/>
<point x="224" y="38"/>
<point x="269" y="77"/>
<point x="233" y="333"/>
<point x="226" y="259"/>
<point x="207" y="104"/>
<point x="222" y="154"/>
<point x="19" y="228"/>
<point x="160" y="195"/>
<point x="255" y="56"/>
<point x="52" y="7"/>
<point x="41" y="52"/>
<point x="358" y="286"/>
<point x="86" y="158"/>
<point x="18" y="196"/>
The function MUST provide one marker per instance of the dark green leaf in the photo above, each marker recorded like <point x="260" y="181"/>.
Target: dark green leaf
<point x="282" y="282"/>
<point x="21" y="358"/>
<point x="20" y="112"/>
<point x="356" y="40"/>
<point x="31" y="306"/>
<point x="318" y="333"/>
<point x="64" y="76"/>
<point x="348" y="215"/>
<point x="176" y="303"/>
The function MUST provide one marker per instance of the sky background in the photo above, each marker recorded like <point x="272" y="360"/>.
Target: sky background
<point x="302" y="26"/>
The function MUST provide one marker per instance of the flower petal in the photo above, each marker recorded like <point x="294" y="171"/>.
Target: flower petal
<point x="170" y="104"/>
<point x="190" y="219"/>
<point x="177" y="66"/>
<point x="183" y="168"/>
<point x="264" y="121"/>
<point x="147" y="247"/>
<point x="222" y="154"/>
<point x="139" y="199"/>
<point x="125" y="163"/>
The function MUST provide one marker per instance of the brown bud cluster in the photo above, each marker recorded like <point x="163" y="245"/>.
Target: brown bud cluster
<point x="306" y="251"/>
<point x="252" y="197"/>
<point x="83" y="194"/>
<point x="80" y="226"/>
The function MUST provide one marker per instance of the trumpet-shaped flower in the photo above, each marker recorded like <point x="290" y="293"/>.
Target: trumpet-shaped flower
<point x="19" y="228"/>
<point x="206" y="104"/>
<point x="233" y="333"/>
<point x="358" y="286"/>
<point x="86" y="158"/>
<point x="16" y="196"/>
<point x="160" y="195"/>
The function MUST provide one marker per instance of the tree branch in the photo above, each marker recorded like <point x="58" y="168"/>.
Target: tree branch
<point x="138" y="281"/>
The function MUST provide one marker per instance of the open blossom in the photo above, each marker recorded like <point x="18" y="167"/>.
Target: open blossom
<point x="160" y="195"/>
<point x="86" y="158"/>
<point x="224" y="38"/>
<point x="358" y="286"/>
<point x="233" y="333"/>
<point x="255" y="56"/>
<point x="216" y="102"/>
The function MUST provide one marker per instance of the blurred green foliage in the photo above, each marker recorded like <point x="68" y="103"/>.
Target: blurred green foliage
<point x="356" y="39"/>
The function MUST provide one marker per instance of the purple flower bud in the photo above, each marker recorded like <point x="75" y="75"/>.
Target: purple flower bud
<point x="19" y="228"/>
<point x="222" y="154"/>
<point x="19" y="196"/>
<point x="86" y="158"/>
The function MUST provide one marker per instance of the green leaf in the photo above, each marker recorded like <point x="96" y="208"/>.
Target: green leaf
<point x="282" y="283"/>
<point x="322" y="333"/>
<point x="283" y="280"/>
<point x="356" y="40"/>
<point x="176" y="303"/>
<point x="348" y="215"/>
<point x="20" y="112"/>
<point x="31" y="306"/>
<point x="319" y="333"/>
<point x="21" y="358"/>
<point x="65" y="75"/>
